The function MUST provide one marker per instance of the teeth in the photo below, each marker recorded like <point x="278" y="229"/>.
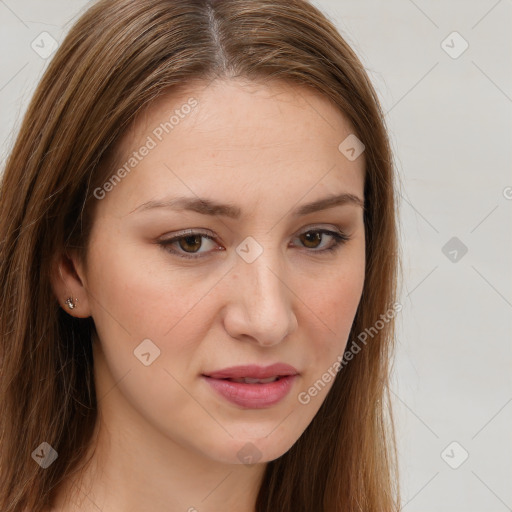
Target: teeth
<point x="249" y="380"/>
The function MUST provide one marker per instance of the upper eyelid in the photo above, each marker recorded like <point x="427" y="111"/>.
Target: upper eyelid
<point x="210" y="234"/>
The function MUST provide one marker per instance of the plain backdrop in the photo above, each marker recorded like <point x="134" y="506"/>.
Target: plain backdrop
<point x="443" y="72"/>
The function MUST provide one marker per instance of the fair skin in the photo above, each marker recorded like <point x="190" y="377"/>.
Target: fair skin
<point x="166" y="440"/>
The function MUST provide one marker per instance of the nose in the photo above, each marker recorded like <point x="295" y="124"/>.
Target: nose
<point x="261" y="303"/>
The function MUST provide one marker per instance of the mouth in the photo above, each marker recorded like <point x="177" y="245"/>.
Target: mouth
<point x="251" y="380"/>
<point x="252" y="386"/>
<point x="254" y="373"/>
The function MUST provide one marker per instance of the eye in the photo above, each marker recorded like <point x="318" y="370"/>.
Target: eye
<point x="313" y="239"/>
<point x="187" y="245"/>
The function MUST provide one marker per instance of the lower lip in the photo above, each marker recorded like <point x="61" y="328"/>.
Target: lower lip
<point x="252" y="396"/>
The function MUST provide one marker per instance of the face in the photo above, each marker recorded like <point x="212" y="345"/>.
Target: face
<point x="213" y="265"/>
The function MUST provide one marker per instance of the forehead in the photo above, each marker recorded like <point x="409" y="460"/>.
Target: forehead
<point x="240" y="114"/>
<point x="240" y="135"/>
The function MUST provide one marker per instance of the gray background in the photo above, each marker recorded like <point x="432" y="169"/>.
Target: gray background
<point x="450" y="123"/>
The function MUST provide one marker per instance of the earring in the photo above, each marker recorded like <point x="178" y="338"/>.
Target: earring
<point x="70" y="302"/>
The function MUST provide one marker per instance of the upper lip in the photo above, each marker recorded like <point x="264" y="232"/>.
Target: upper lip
<point x="253" y="371"/>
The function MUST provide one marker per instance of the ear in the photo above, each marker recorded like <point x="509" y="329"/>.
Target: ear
<point x="68" y="280"/>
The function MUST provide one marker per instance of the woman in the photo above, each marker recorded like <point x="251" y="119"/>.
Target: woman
<point x="198" y="234"/>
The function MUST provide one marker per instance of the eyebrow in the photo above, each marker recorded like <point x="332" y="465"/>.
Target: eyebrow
<point x="209" y="207"/>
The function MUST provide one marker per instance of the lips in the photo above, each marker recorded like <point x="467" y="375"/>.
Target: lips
<point x="252" y="386"/>
<point x="254" y="372"/>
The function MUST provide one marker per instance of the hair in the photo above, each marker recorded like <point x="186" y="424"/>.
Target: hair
<point x="119" y="57"/>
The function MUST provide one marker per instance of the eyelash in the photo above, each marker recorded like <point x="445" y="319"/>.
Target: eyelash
<point x="340" y="239"/>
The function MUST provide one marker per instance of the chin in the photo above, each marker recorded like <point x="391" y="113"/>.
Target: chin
<point x="252" y="449"/>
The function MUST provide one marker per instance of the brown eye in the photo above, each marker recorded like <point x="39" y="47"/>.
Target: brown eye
<point x="311" y="239"/>
<point x="190" y="243"/>
<point x="314" y="239"/>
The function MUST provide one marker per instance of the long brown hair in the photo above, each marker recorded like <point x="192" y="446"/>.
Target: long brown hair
<point x="117" y="58"/>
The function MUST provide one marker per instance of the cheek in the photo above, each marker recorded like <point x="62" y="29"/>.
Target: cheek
<point x="337" y="300"/>
<point x="136" y="290"/>
<point x="134" y="299"/>
<point x="329" y="311"/>
<point x="138" y="297"/>
<point x="335" y="294"/>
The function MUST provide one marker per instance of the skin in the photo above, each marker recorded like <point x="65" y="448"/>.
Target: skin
<point x="165" y="440"/>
